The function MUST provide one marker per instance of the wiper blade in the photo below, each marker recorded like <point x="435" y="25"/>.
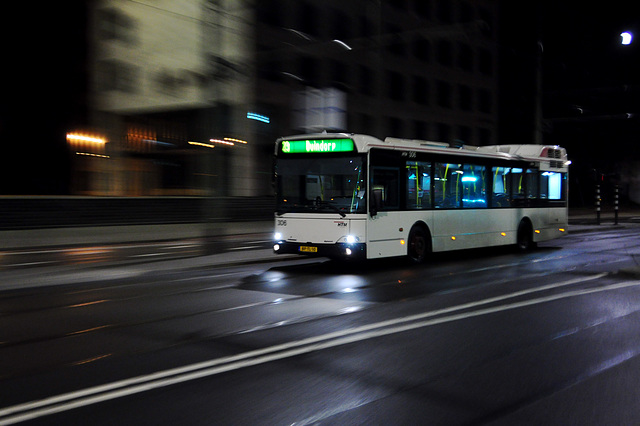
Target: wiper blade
<point x="336" y="209"/>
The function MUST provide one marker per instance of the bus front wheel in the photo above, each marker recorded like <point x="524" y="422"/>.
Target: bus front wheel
<point x="419" y="244"/>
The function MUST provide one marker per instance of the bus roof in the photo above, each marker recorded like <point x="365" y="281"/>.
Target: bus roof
<point x="550" y="157"/>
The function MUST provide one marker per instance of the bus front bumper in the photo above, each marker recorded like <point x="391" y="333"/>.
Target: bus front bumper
<point x="337" y="251"/>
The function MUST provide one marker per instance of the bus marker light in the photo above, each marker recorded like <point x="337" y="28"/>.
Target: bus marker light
<point x="504" y="234"/>
<point x="561" y="229"/>
<point x="453" y="238"/>
<point x="537" y="231"/>
<point x="401" y="242"/>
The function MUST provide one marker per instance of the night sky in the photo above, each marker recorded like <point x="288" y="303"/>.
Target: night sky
<point x="590" y="83"/>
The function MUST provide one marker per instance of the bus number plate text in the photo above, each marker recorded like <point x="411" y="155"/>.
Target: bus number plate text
<point x="308" y="249"/>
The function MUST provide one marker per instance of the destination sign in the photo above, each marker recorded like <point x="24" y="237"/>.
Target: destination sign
<point x="317" y="146"/>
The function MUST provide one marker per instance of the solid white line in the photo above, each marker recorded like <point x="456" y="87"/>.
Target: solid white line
<point x="13" y="265"/>
<point x="243" y="248"/>
<point x="68" y="401"/>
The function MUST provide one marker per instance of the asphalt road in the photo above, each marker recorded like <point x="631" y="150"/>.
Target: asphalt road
<point x="550" y="336"/>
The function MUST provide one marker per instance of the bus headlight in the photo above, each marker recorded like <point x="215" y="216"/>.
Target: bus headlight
<point x="277" y="236"/>
<point x="351" y="239"/>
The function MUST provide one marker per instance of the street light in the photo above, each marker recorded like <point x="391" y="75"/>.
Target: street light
<point x="627" y="37"/>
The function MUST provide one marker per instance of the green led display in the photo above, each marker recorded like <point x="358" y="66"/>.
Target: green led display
<point x="317" y="146"/>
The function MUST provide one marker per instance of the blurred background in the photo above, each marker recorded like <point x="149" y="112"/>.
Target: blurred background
<point x="146" y="110"/>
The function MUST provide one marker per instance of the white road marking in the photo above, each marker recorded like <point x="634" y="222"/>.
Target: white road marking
<point x="14" y="265"/>
<point x="93" y="395"/>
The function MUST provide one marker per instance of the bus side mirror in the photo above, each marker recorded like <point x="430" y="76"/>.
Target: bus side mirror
<point x="376" y="201"/>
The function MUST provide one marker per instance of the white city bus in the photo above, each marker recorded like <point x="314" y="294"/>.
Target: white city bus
<point x="348" y="195"/>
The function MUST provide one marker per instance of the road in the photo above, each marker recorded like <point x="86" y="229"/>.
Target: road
<point x="550" y="336"/>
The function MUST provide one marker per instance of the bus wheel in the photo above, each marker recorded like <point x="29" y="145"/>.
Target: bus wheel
<point x="525" y="236"/>
<point x="419" y="244"/>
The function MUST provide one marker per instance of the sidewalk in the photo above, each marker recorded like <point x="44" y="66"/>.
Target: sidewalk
<point x="234" y="234"/>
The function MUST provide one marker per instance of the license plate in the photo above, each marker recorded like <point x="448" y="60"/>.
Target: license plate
<point x="309" y="249"/>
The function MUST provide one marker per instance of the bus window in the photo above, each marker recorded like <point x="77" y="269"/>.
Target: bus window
<point x="531" y="185"/>
<point x="551" y="185"/>
<point x="385" y="179"/>
<point x="447" y="186"/>
<point x="474" y="189"/>
<point x="418" y="185"/>
<point x="500" y="195"/>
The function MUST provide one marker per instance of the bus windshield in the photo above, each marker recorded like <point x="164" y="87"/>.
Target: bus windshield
<point x="321" y="184"/>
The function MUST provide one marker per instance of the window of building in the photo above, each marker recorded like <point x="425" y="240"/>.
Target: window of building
<point x="485" y="101"/>
<point x="485" y="62"/>
<point x="420" y="90"/>
<point x="484" y="136"/>
<point x="465" y="57"/>
<point x="444" y="132"/>
<point x="421" y="49"/>
<point x="422" y="8"/>
<point x="121" y="76"/>
<point x="444" y="94"/>
<point x="396" y="87"/>
<point x="445" y="53"/>
<point x="465" y="97"/>
<point x="115" y="25"/>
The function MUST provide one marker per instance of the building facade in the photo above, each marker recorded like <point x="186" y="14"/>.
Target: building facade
<point x="188" y="97"/>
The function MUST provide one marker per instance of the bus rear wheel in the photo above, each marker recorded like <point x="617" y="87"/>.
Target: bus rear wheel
<point x="525" y="236"/>
<point x="419" y="244"/>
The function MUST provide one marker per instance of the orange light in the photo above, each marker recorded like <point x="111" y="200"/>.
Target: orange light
<point x="401" y="242"/>
<point x="223" y="142"/>
<point x="561" y="229"/>
<point x="537" y="231"/>
<point x="206" y="145"/>
<point x="504" y="234"/>
<point x="453" y="238"/>
<point x="235" y="140"/>
<point x="76" y="137"/>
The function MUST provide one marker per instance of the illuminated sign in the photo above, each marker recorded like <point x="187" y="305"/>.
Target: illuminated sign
<point x="317" y="146"/>
<point x="258" y="117"/>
